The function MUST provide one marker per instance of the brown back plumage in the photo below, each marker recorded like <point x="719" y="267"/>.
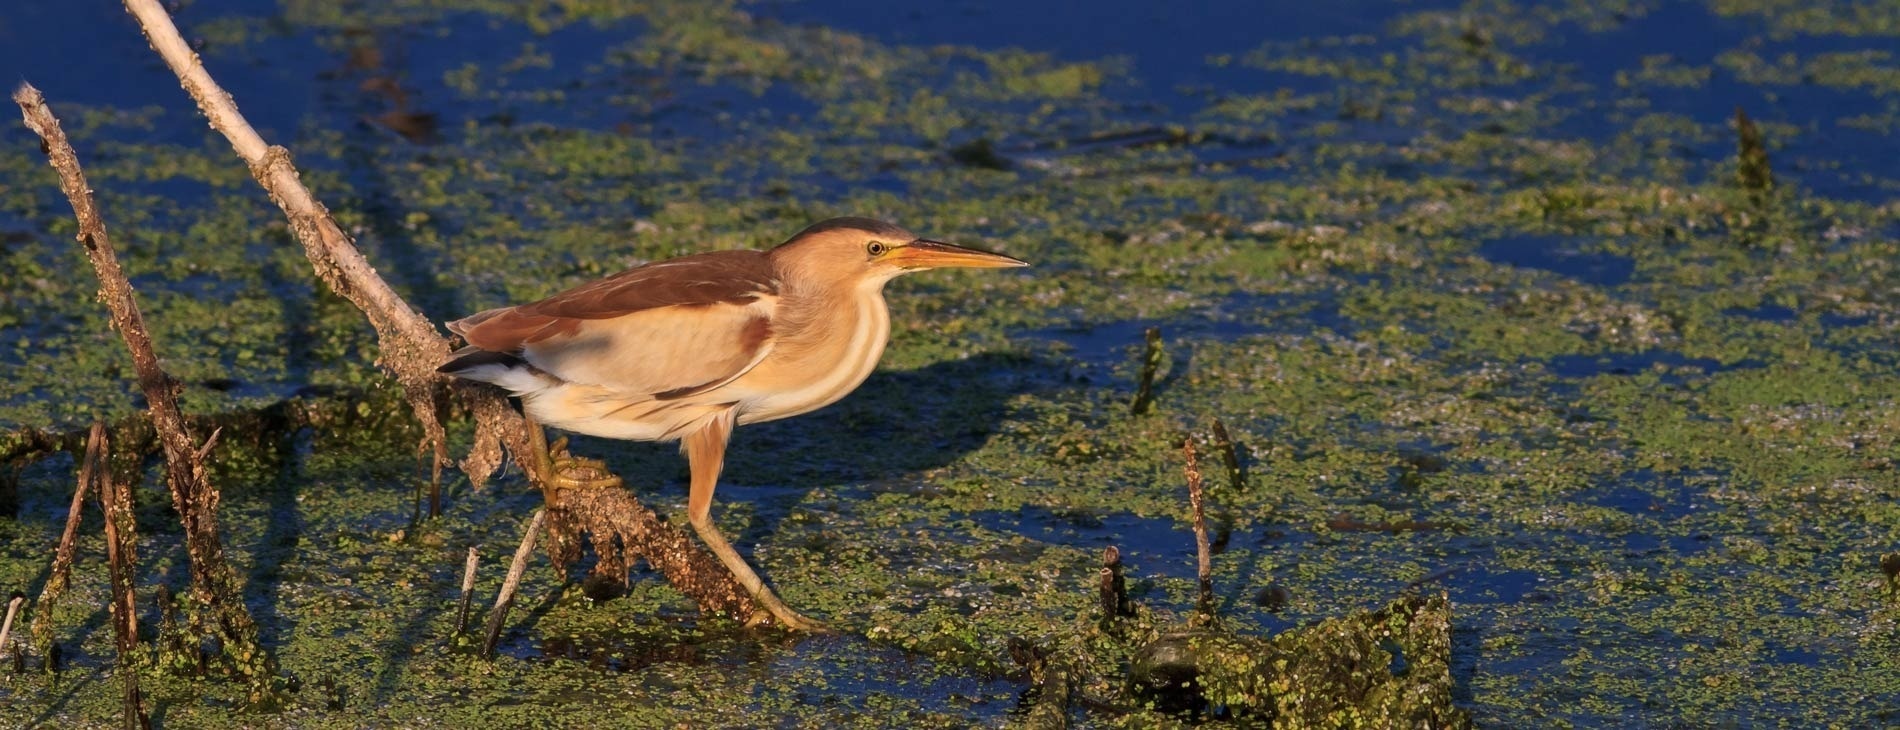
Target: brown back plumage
<point x="721" y="277"/>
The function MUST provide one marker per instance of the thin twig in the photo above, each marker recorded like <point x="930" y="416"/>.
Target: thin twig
<point x="468" y="589"/>
<point x="60" y="576"/>
<point x="6" y="628"/>
<point x="121" y="537"/>
<point x="204" y="450"/>
<point x="1113" y="588"/>
<point x="1230" y="458"/>
<point x="506" y="598"/>
<point x="214" y="584"/>
<point x="1150" y="366"/>
<point x="1204" y="605"/>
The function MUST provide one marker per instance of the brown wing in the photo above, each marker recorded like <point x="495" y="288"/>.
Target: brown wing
<point x="664" y="329"/>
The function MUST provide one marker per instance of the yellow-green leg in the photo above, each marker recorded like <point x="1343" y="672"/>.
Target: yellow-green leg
<point x="562" y="470"/>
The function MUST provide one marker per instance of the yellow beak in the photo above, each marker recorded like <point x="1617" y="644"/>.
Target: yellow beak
<point x="922" y="254"/>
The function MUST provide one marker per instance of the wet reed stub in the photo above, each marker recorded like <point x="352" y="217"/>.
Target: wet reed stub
<point x="468" y="590"/>
<point x="1114" y="588"/>
<point x="1203" y="551"/>
<point x="1150" y="365"/>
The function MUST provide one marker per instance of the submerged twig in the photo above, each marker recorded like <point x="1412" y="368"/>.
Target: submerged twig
<point x="1230" y="458"/>
<point x="506" y="598"/>
<point x="214" y="584"/>
<point x="60" y="575"/>
<point x="1236" y="486"/>
<point x="1204" y="603"/>
<point x="1150" y="365"/>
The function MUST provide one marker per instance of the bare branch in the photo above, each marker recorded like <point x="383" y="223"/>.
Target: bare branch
<point x="60" y="576"/>
<point x="411" y="347"/>
<point x="506" y="598"/>
<point x="214" y="584"/>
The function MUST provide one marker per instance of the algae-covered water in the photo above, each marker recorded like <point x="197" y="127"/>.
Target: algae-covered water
<point x="1478" y="288"/>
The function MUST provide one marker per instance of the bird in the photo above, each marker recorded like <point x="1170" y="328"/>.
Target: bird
<point x="686" y="349"/>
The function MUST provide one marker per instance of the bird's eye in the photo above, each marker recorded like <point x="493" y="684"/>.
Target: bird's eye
<point x="875" y="248"/>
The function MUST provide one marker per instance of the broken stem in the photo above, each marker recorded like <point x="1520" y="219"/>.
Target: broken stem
<point x="60" y="576"/>
<point x="1150" y="365"/>
<point x="121" y="537"/>
<point x="506" y="598"/>
<point x="1204" y="605"/>
<point x="468" y="589"/>
<point x="1229" y="457"/>
<point x="6" y="629"/>
<point x="1114" y="587"/>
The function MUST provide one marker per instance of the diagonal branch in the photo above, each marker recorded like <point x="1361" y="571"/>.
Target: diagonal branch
<point x="410" y="346"/>
<point x="214" y="584"/>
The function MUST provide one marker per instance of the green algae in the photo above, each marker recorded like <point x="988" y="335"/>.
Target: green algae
<point x="1670" y="492"/>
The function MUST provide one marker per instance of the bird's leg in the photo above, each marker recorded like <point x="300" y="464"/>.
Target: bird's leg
<point x="706" y="454"/>
<point x="563" y="470"/>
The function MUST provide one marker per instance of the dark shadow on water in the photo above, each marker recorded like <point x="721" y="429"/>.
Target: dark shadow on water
<point x="1560" y="255"/>
<point x="896" y="424"/>
<point x="1765" y="313"/>
<point x="283" y="531"/>
<point x="1151" y="547"/>
<point x="1673" y="366"/>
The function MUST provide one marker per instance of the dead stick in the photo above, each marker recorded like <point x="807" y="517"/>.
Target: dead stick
<point x="6" y="629"/>
<point x="506" y="598"/>
<point x="468" y="589"/>
<point x="411" y="347"/>
<point x="1113" y="588"/>
<point x="62" y="570"/>
<point x="1230" y="458"/>
<point x="214" y="584"/>
<point x="1203" y="554"/>
<point x="1150" y="365"/>
<point x="114" y="501"/>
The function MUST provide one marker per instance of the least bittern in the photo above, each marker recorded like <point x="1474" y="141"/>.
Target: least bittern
<point x="688" y="348"/>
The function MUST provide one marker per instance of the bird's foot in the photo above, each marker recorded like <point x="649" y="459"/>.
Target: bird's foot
<point x="567" y="471"/>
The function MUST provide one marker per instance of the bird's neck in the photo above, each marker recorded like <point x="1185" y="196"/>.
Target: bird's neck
<point x="819" y="317"/>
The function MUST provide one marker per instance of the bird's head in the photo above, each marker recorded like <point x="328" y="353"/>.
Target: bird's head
<point x="867" y="251"/>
